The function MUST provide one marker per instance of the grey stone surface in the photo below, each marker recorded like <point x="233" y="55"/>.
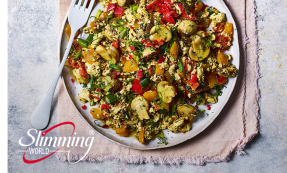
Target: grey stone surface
<point x="33" y="34"/>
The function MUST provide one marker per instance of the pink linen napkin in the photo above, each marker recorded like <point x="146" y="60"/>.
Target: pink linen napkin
<point x="236" y="125"/>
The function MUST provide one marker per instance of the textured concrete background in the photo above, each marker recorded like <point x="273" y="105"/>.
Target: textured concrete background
<point x="33" y="37"/>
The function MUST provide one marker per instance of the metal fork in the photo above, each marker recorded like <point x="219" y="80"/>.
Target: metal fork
<point x="77" y="17"/>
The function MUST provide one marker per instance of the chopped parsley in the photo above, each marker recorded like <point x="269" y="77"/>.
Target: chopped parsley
<point x="162" y="139"/>
<point x="152" y="123"/>
<point x="200" y="111"/>
<point x="200" y="100"/>
<point x="218" y="89"/>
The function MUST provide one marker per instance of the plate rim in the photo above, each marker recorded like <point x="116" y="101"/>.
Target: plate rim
<point x="163" y="146"/>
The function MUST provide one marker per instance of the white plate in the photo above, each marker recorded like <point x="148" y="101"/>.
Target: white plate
<point x="200" y="123"/>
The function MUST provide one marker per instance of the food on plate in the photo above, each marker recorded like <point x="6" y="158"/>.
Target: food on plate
<point x="145" y="66"/>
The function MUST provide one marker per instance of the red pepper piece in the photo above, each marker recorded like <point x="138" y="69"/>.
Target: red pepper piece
<point x="139" y="74"/>
<point x="119" y="11"/>
<point x="221" y="79"/>
<point x="161" y="59"/>
<point x="116" y="44"/>
<point x="161" y="42"/>
<point x="111" y="7"/>
<point x="193" y="78"/>
<point x="84" y="107"/>
<point x="136" y="87"/>
<point x="105" y="107"/>
<point x="208" y="107"/>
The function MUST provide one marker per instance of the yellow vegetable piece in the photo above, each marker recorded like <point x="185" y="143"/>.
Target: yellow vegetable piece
<point x="97" y="113"/>
<point x="90" y="55"/>
<point x="141" y="136"/>
<point x="122" y="131"/>
<point x="168" y="76"/>
<point x="222" y="58"/>
<point x="174" y="50"/>
<point x="158" y="70"/>
<point x="228" y="29"/>
<point x="130" y="66"/>
<point x="182" y="75"/>
<point x="150" y="95"/>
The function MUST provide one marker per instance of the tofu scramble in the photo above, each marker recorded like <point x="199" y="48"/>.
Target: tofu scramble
<point x="144" y="63"/>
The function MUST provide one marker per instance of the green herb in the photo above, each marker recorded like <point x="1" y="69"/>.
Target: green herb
<point x="124" y="33"/>
<point x="83" y="43"/>
<point x="209" y="41"/>
<point x="106" y="87"/>
<point x="174" y="109"/>
<point x="90" y="38"/>
<point x="157" y="101"/>
<point x="218" y="89"/>
<point x="137" y="59"/>
<point x="174" y="39"/>
<point x="134" y="8"/>
<point x="138" y="48"/>
<point x="121" y="28"/>
<point x="78" y="55"/>
<point x="99" y="12"/>
<point x="162" y="139"/>
<point x="200" y="111"/>
<point x="210" y="10"/>
<point x="200" y="99"/>
<point x="92" y="86"/>
<point x="180" y="66"/>
<point x="152" y="123"/>
<point x="143" y="84"/>
<point x="84" y="85"/>
<point x="92" y="102"/>
<point x="146" y="36"/>
<point x="126" y="117"/>
<point x="134" y="63"/>
<point x="111" y="98"/>
<point x="115" y="67"/>
<point x="187" y="8"/>
<point x="129" y="96"/>
<point x="72" y="49"/>
<point x="117" y="23"/>
<point x="163" y="111"/>
<point x="109" y="17"/>
<point x="154" y="85"/>
<point x="99" y="30"/>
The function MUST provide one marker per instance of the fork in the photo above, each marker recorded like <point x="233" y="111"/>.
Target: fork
<point x="77" y="17"/>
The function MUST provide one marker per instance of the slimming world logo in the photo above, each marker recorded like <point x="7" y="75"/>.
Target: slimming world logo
<point x="43" y="141"/>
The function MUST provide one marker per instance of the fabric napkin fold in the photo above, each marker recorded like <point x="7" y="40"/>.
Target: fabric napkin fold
<point x="236" y="125"/>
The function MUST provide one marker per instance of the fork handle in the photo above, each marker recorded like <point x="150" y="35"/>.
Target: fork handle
<point x="41" y="116"/>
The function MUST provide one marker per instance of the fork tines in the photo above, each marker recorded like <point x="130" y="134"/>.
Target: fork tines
<point x="83" y="3"/>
